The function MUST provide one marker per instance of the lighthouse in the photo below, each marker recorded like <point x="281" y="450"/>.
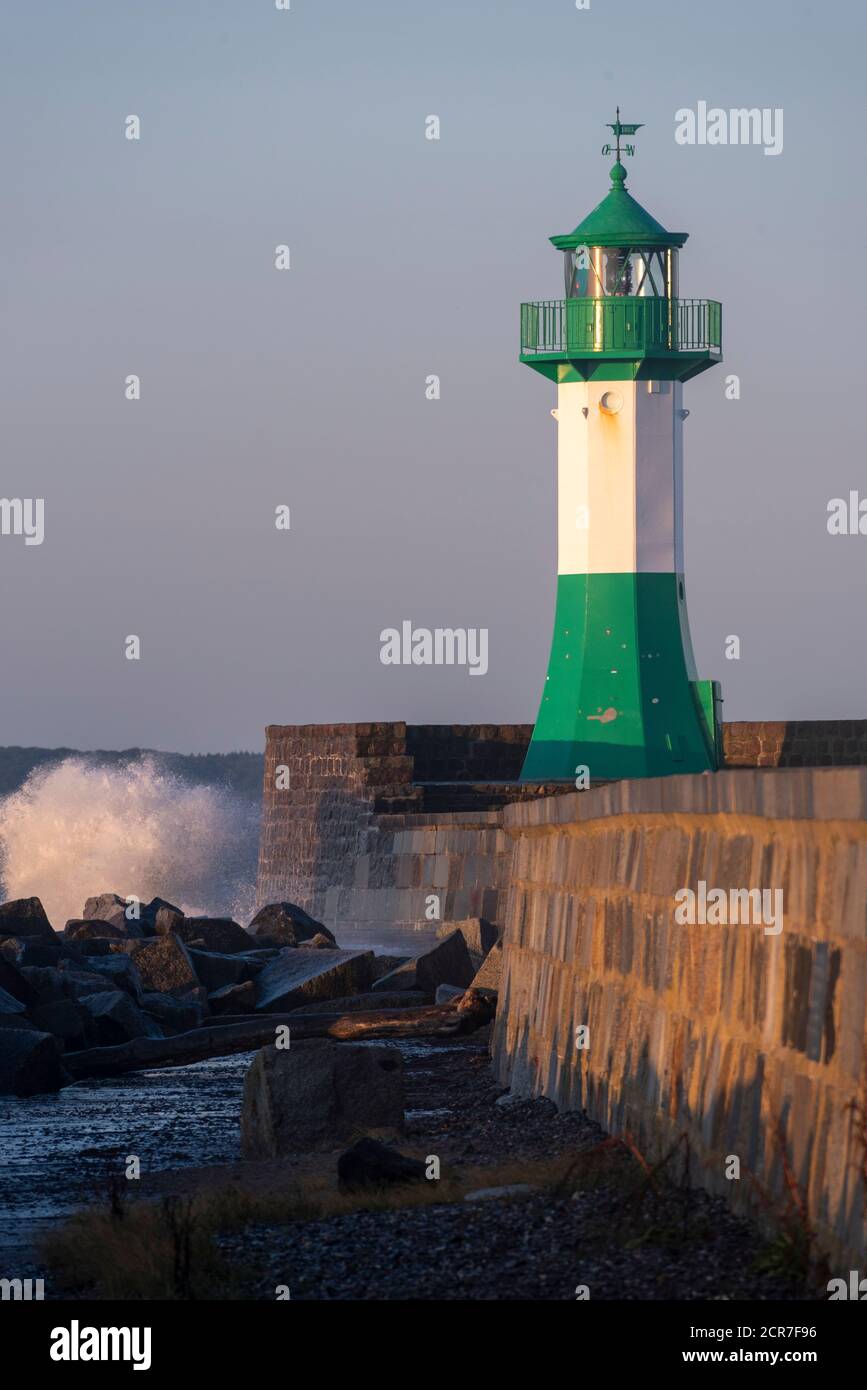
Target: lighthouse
<point x="621" y="697"/>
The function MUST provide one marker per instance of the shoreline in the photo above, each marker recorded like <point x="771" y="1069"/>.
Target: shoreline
<point x="613" y="1232"/>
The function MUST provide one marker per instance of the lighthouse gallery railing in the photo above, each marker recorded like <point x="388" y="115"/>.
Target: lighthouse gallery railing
<point x="573" y="327"/>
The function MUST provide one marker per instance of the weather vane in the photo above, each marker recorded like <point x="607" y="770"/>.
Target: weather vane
<point x="619" y="129"/>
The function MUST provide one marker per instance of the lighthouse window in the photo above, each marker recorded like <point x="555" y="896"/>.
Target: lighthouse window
<point x="620" y="271"/>
<point x="578" y="275"/>
<point x="602" y="272"/>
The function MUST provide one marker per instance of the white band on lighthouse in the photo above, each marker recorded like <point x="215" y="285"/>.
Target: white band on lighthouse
<point x="620" y="477"/>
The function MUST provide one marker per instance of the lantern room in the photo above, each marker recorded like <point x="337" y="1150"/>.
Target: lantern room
<point x="599" y="272"/>
<point x="620" y="251"/>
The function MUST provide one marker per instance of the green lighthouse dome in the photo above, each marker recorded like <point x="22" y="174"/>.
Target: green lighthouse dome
<point x="619" y="221"/>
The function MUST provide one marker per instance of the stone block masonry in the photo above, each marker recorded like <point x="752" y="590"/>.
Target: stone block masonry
<point x="747" y="1043"/>
<point x="330" y="841"/>
<point x="467" y="752"/>
<point x="322" y="784"/>
<point x="798" y="743"/>
<point x="346" y="832"/>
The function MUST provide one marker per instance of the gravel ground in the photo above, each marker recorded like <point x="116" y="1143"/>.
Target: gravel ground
<point x="674" y="1245"/>
<point x="508" y="1249"/>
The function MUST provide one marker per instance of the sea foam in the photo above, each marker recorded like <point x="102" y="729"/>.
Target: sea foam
<point x="75" y="829"/>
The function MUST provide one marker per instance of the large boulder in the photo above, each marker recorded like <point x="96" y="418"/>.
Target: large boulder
<point x="77" y="985"/>
<point x="284" y="924"/>
<point x="384" y="965"/>
<point x="10" y="1005"/>
<point x="105" y="907"/>
<point x="370" y="1163"/>
<point x="218" y="934"/>
<point x="448" y="963"/>
<point x="157" y="913"/>
<point x="14" y="983"/>
<point x="234" y="999"/>
<point x="164" y="965"/>
<point x="318" y="1094"/>
<point x="296" y="977"/>
<point x="66" y="1019"/>
<point x="45" y="983"/>
<point x="403" y="978"/>
<point x="478" y="933"/>
<point x="38" y="950"/>
<point x="76" y="982"/>
<point x="112" y="908"/>
<point x="135" y="918"/>
<point x="120" y="971"/>
<point x="215" y="969"/>
<point x="95" y="946"/>
<point x="166" y="918"/>
<point x="490" y="972"/>
<point x="51" y="984"/>
<point x="174" y="1015"/>
<point x="80" y="929"/>
<point x="25" y="917"/>
<point x="116" y="1019"/>
<point x="17" y="1021"/>
<point x="31" y="1063"/>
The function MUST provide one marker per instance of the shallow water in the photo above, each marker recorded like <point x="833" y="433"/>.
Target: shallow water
<point x="61" y="1151"/>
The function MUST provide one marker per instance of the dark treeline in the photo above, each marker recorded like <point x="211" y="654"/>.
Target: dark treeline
<point x="242" y="772"/>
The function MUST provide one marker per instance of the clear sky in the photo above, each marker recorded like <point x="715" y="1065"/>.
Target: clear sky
<point x="409" y="257"/>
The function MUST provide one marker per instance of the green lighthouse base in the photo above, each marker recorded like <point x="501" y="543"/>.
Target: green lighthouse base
<point x="621" y="698"/>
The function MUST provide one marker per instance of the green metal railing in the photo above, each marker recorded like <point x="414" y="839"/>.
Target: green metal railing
<point x="624" y="324"/>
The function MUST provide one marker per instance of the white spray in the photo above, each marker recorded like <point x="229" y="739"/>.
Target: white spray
<point x="75" y="829"/>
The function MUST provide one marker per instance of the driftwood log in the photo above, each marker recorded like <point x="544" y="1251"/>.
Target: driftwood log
<point x="472" y="1010"/>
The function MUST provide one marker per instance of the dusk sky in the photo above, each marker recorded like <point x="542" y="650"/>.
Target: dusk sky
<point x="409" y="257"/>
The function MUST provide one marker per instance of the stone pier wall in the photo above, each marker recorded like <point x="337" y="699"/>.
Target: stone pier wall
<point x="749" y="1043"/>
<point x="746" y="1042"/>
<point x="326" y="846"/>
<point x="796" y="743"/>
<point x="344" y="814"/>
<point x="322" y="784"/>
<point x="418" y="870"/>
